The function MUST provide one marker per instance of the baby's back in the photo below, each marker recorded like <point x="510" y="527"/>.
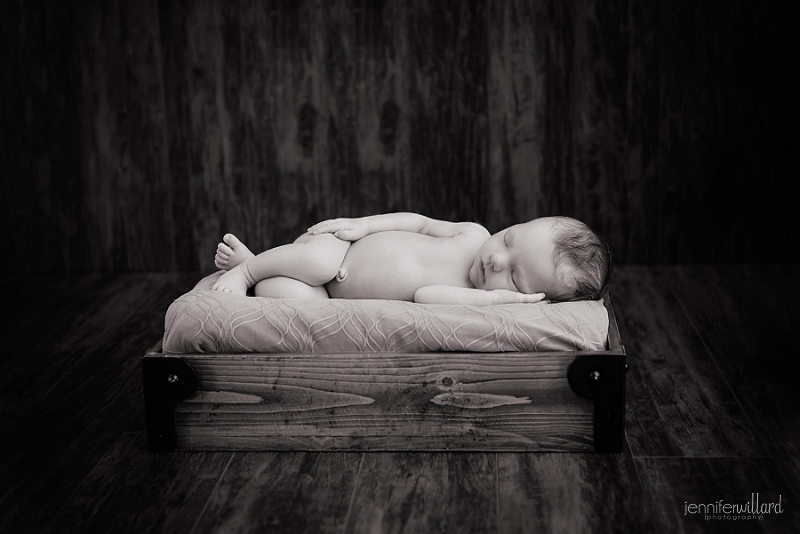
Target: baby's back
<point x="393" y="265"/>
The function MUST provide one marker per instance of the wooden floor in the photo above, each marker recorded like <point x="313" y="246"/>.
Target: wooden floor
<point x="713" y="413"/>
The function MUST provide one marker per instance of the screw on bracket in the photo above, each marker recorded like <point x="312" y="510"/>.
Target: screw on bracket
<point x="167" y="380"/>
<point x="607" y="392"/>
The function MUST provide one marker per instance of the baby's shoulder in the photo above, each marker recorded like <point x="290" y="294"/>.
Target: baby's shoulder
<point x="474" y="230"/>
<point x="471" y="234"/>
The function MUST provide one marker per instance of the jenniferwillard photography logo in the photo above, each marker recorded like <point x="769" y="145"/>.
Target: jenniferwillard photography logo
<point x="753" y="510"/>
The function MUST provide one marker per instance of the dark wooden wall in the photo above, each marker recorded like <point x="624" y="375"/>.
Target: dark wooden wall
<point x="135" y="133"/>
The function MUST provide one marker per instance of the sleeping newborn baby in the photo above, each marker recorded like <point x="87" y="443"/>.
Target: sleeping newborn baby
<point x="407" y="256"/>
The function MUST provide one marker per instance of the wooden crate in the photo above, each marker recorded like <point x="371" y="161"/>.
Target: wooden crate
<point x="435" y="401"/>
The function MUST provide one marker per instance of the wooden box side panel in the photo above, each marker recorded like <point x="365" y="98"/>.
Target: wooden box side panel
<point x="386" y="401"/>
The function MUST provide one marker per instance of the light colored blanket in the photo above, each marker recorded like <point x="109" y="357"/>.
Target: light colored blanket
<point x="204" y="321"/>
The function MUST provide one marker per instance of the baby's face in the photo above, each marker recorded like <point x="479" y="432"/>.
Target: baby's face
<point x="519" y="258"/>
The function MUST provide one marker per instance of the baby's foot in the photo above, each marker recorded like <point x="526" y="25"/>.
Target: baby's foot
<point x="231" y="252"/>
<point x="236" y="281"/>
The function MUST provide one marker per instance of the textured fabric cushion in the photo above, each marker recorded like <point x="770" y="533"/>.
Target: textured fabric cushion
<point x="204" y="321"/>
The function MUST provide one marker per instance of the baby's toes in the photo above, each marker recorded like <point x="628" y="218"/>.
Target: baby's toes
<point x="231" y="241"/>
<point x="221" y="288"/>
<point x="224" y="250"/>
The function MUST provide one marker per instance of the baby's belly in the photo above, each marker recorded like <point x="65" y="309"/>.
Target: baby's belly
<point x="393" y="265"/>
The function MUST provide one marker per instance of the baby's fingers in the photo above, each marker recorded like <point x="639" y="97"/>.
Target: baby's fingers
<point x="348" y="234"/>
<point x="328" y="226"/>
<point x="536" y="297"/>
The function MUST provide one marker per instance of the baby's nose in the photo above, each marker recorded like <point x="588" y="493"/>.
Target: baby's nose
<point x="498" y="262"/>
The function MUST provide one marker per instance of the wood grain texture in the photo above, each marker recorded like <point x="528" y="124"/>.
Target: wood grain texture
<point x="41" y="179"/>
<point x="39" y="301"/>
<point x="135" y="134"/>
<point x="557" y="114"/>
<point x="137" y="491"/>
<point x="285" y="492"/>
<point x="425" y="492"/>
<point x="677" y="404"/>
<point x="68" y="463"/>
<point x="439" y="401"/>
<point x="570" y="493"/>
<point x="749" y="328"/>
<point x="448" y="107"/>
<point x="88" y="304"/>
<point x="127" y="184"/>
<point x="78" y="377"/>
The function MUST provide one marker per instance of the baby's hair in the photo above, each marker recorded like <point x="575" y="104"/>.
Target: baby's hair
<point x="589" y="256"/>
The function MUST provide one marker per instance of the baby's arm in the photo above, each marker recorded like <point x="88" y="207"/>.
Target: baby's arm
<point x="472" y="297"/>
<point x="355" y="229"/>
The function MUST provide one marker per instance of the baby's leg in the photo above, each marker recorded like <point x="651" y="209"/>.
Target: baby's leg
<point x="312" y="259"/>
<point x="284" y="287"/>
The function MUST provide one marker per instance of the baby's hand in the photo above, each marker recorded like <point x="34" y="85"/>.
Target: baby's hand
<point x="504" y="296"/>
<point x="344" y="229"/>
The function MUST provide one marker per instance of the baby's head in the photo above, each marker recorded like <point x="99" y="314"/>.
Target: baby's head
<point x="583" y="259"/>
<point x="558" y="256"/>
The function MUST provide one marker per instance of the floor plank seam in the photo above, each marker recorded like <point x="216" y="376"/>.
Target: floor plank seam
<point x="211" y="494"/>
<point x="353" y="495"/>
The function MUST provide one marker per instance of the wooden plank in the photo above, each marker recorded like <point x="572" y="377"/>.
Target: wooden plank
<point x="447" y="97"/>
<point x="747" y="317"/>
<point x="175" y="76"/>
<point x="136" y="133"/>
<point x="557" y="110"/>
<point x="362" y="65"/>
<point x="425" y="492"/>
<point x="127" y="207"/>
<point x="133" y="490"/>
<point x="209" y="126"/>
<point x="41" y="201"/>
<point x="678" y="402"/>
<point x="436" y="401"/>
<point x="103" y="306"/>
<point x="518" y="188"/>
<point x="570" y="493"/>
<point x="39" y="299"/>
<point x="80" y="389"/>
<point x="286" y="492"/>
<point x="672" y="484"/>
<point x="51" y="319"/>
<point x="267" y="173"/>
